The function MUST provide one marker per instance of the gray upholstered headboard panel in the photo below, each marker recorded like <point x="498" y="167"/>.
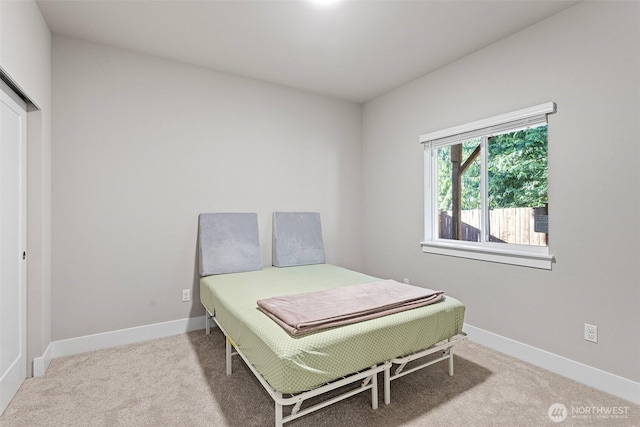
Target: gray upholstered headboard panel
<point x="297" y="239"/>
<point x="228" y="243"/>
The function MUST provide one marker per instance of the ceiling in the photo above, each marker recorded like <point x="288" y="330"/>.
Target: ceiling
<point x="354" y="50"/>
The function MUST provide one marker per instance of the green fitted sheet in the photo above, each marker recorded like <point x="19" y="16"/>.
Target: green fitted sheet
<point x="295" y="364"/>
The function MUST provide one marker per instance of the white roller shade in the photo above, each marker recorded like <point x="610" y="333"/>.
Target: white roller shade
<point x="521" y="119"/>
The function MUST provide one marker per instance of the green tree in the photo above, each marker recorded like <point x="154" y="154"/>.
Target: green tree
<point x="517" y="171"/>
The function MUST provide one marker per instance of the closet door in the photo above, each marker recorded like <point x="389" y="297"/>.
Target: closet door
<point x="13" y="225"/>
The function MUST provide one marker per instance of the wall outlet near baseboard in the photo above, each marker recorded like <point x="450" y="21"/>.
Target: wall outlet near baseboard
<point x="590" y="333"/>
<point x="186" y="295"/>
<point x="406" y="281"/>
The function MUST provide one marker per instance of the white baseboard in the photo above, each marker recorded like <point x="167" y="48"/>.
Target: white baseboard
<point x="79" y="345"/>
<point x="593" y="377"/>
<point x="41" y="364"/>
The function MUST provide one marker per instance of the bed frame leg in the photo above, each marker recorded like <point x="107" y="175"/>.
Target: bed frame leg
<point x="207" y="322"/>
<point x="278" y="410"/>
<point x="228" y="354"/>
<point x="374" y="391"/>
<point x="451" y="362"/>
<point x="387" y="385"/>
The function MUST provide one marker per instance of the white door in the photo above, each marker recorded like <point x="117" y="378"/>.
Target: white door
<point x="13" y="244"/>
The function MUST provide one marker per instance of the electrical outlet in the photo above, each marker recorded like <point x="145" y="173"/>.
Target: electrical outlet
<point x="406" y="281"/>
<point x="590" y="333"/>
<point x="186" y="295"/>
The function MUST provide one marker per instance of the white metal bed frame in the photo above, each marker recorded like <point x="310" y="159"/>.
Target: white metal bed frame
<point x="446" y="347"/>
<point x="368" y="381"/>
<point x="368" y="378"/>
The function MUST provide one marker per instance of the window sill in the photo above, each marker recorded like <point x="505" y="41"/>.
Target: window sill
<point x="524" y="259"/>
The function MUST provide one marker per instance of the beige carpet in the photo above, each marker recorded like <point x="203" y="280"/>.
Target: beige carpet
<point x="181" y="381"/>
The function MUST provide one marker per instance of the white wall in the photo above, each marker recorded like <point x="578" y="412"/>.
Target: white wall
<point x="25" y="56"/>
<point x="587" y="60"/>
<point x="143" y="145"/>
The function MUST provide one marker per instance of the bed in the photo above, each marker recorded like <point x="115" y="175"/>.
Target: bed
<point x="295" y="368"/>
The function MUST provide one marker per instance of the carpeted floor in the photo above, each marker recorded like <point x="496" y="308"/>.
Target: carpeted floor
<point x="181" y="381"/>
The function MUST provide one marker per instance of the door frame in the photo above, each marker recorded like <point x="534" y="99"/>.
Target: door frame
<point x="18" y="373"/>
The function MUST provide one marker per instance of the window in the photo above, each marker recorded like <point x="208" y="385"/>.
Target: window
<point x="486" y="189"/>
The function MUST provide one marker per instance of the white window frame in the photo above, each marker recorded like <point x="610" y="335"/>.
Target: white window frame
<point x="523" y="255"/>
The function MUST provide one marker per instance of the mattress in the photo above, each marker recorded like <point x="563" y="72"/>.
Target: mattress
<point x="296" y="364"/>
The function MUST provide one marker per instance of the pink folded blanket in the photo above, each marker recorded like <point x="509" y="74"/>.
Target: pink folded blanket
<point x="303" y="313"/>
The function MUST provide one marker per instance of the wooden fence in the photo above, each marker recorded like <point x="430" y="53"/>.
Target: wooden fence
<point x="508" y="225"/>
